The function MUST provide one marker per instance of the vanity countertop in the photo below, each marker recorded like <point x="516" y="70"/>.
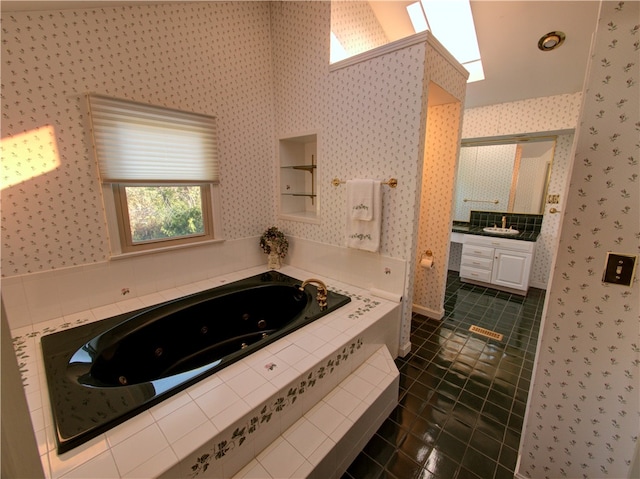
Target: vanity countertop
<point x="468" y="228"/>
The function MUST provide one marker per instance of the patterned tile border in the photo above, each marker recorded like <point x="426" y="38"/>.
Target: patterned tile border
<point x="21" y="347"/>
<point x="368" y="303"/>
<point x="276" y="406"/>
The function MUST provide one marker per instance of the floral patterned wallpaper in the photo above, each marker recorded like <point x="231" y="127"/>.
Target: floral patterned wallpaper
<point x="584" y="406"/>
<point x="217" y="58"/>
<point x="388" y="92"/>
<point x="552" y="113"/>
<point x="356" y="26"/>
<point x="185" y="56"/>
<point x="443" y="137"/>
<point x="558" y="184"/>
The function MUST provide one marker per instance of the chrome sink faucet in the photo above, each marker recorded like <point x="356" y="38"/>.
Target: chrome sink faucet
<point x="504" y="222"/>
<point x="321" y="297"/>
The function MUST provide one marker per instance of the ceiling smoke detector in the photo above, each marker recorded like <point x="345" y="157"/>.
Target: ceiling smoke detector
<point x="551" y="41"/>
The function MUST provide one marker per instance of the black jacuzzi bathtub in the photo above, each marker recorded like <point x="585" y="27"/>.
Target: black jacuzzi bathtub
<point x="103" y="373"/>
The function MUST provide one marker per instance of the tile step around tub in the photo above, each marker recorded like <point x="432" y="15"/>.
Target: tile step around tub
<point x="322" y="444"/>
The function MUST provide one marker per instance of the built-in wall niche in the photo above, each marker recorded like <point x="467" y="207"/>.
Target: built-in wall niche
<point x="298" y="157"/>
<point x="506" y="175"/>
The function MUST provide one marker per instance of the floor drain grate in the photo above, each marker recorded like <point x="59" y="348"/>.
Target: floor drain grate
<point x="486" y="332"/>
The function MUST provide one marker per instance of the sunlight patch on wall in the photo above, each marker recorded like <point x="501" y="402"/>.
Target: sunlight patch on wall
<point x="28" y="155"/>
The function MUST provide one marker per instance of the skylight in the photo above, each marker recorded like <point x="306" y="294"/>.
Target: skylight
<point x="337" y="50"/>
<point x="451" y="22"/>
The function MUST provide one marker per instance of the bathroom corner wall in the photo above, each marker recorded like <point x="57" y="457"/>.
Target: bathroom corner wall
<point x="438" y="166"/>
<point x="438" y="175"/>
<point x="190" y="56"/>
<point x="557" y="115"/>
<point x="208" y="57"/>
<point x="387" y="91"/>
<point x="390" y="91"/>
<point x="583" y="409"/>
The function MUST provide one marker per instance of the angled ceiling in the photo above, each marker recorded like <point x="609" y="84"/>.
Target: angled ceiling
<point x="508" y="33"/>
<point x="515" y="69"/>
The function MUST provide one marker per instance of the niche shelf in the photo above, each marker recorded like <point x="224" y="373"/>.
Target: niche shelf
<point x="298" y="163"/>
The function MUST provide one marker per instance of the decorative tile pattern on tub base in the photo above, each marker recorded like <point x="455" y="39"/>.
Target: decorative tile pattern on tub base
<point x="234" y="443"/>
<point x="325" y="441"/>
<point x="329" y="399"/>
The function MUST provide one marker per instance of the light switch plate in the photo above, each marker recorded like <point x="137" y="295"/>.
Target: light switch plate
<point x="619" y="268"/>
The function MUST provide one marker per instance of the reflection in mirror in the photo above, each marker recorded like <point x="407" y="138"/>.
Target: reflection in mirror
<point x="509" y="176"/>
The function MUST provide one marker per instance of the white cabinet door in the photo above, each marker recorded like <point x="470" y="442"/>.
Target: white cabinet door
<point x="511" y="269"/>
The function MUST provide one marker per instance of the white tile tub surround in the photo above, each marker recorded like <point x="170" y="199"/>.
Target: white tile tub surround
<point x="361" y="268"/>
<point x="34" y="298"/>
<point x="168" y="439"/>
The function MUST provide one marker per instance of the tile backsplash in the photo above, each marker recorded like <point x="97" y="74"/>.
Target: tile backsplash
<point x="519" y="221"/>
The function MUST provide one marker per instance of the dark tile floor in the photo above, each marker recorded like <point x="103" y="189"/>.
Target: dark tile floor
<point x="462" y="395"/>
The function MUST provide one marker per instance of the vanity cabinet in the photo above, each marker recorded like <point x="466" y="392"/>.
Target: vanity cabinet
<point x="501" y="262"/>
<point x="298" y="163"/>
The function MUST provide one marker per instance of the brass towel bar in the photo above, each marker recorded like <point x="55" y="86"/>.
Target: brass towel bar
<point x="495" y="202"/>
<point x="392" y="182"/>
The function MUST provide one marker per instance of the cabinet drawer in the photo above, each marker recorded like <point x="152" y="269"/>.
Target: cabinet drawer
<point x="477" y="274"/>
<point x="477" y="262"/>
<point x="478" y="251"/>
<point x="504" y="243"/>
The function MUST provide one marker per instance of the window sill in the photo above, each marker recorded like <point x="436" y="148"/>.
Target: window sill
<point x="119" y="256"/>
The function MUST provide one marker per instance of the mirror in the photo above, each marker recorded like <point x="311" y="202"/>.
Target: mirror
<point x="360" y="26"/>
<point x="507" y="175"/>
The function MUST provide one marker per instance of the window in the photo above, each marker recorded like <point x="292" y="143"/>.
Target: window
<point x="159" y="170"/>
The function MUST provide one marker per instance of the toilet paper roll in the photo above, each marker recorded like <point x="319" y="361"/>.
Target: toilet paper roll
<point x="427" y="262"/>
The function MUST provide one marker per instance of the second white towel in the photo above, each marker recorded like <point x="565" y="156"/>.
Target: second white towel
<point x="362" y="234"/>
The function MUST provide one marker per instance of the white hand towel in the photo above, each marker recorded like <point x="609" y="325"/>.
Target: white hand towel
<point x="365" y="235"/>
<point x="360" y="199"/>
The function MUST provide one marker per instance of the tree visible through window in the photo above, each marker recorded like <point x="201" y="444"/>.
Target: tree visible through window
<point x="160" y="212"/>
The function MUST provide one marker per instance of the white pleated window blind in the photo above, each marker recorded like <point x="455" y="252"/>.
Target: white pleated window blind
<point x="136" y="142"/>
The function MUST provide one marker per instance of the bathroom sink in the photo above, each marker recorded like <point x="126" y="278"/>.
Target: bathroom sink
<point x="500" y="231"/>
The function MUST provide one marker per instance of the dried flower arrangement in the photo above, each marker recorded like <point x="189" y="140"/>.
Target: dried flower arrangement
<point x="274" y="243"/>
